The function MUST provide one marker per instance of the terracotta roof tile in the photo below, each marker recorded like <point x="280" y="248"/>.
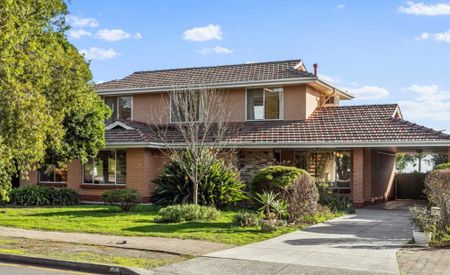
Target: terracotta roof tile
<point x="275" y="70"/>
<point x="343" y="124"/>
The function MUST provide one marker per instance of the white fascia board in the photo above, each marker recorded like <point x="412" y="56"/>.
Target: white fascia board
<point x="118" y="124"/>
<point x="339" y="91"/>
<point x="291" y="145"/>
<point x="288" y="81"/>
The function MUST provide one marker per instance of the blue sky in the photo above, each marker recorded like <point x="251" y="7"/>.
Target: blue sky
<point x="382" y="51"/>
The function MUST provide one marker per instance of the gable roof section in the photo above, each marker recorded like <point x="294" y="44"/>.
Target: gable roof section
<point x="327" y="126"/>
<point x="226" y="74"/>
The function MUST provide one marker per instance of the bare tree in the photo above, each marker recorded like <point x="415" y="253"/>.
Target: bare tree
<point x="198" y="131"/>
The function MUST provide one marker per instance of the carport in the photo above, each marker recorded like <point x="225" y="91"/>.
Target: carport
<point x="373" y="169"/>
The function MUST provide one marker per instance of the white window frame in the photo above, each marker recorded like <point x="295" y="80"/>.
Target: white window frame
<point x="115" y="172"/>
<point x="264" y="103"/>
<point x="200" y="116"/>
<point x="117" y="105"/>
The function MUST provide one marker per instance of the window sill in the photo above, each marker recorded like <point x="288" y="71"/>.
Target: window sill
<point x="103" y="186"/>
<point x="52" y="184"/>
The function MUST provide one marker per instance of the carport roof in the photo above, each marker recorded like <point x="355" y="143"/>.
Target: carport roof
<point x="342" y="126"/>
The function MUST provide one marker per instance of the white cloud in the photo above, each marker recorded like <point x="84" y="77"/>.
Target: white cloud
<point x="368" y="92"/>
<point x="94" y="53"/>
<point x="431" y="103"/>
<point x="425" y="9"/>
<point x="429" y="110"/>
<point x="115" y="35"/>
<point x="330" y="79"/>
<point x="439" y="36"/>
<point x="429" y="92"/>
<point x="76" y="21"/>
<point x="215" y="50"/>
<point x="205" y="33"/>
<point x="340" y="6"/>
<point x="77" y="34"/>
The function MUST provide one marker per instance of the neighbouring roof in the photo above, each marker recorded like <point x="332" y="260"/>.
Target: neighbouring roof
<point x="342" y="125"/>
<point x="249" y="72"/>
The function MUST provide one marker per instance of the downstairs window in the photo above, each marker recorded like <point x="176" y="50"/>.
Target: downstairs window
<point x="109" y="167"/>
<point x="49" y="173"/>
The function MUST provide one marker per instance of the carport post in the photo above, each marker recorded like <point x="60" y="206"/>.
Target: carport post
<point x="358" y="177"/>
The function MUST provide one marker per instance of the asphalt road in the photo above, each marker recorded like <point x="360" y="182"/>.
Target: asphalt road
<point x="15" y="269"/>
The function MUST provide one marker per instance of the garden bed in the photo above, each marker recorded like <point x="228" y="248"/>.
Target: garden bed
<point x="105" y="219"/>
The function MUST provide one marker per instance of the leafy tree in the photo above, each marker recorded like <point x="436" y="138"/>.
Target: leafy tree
<point x="439" y="159"/>
<point x="47" y="101"/>
<point x="403" y="159"/>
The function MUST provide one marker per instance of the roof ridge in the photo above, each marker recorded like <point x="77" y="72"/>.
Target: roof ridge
<point x="217" y="66"/>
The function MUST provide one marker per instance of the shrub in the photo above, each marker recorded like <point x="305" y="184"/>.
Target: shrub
<point x="423" y="220"/>
<point x="336" y="202"/>
<point x="187" y="213"/>
<point x="220" y="188"/>
<point x="442" y="166"/>
<point x="34" y="195"/>
<point x="437" y="188"/>
<point x="246" y="219"/>
<point x="295" y="186"/>
<point x="64" y="196"/>
<point x="126" y="198"/>
<point x="268" y="225"/>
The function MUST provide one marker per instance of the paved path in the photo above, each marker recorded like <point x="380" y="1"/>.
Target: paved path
<point x="365" y="242"/>
<point x="423" y="261"/>
<point x="170" y="245"/>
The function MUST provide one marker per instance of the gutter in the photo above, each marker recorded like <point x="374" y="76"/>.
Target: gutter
<point x="157" y="145"/>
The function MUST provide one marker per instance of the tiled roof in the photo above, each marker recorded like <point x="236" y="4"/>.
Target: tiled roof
<point x="264" y="71"/>
<point x="343" y="125"/>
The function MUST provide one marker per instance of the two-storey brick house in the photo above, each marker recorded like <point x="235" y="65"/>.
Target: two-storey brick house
<point x="283" y="113"/>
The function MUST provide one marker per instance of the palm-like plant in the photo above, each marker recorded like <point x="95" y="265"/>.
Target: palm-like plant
<point x="266" y="200"/>
<point x="280" y="208"/>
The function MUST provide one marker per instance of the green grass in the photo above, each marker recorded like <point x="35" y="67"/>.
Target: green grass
<point x="106" y="219"/>
<point x="88" y="253"/>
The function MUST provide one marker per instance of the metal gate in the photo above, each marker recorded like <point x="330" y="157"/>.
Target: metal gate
<point x="410" y="186"/>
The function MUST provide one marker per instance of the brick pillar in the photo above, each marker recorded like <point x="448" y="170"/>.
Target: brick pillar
<point x="367" y="178"/>
<point x="74" y="174"/>
<point x="358" y="176"/>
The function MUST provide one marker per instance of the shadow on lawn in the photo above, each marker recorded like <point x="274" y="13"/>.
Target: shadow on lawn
<point x="105" y="211"/>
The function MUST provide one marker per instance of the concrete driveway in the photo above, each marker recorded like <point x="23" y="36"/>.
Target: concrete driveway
<point x="364" y="242"/>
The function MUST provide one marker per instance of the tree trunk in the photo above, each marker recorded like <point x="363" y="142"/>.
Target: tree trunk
<point x="195" y="198"/>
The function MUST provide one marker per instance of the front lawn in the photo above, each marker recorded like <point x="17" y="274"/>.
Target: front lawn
<point x="105" y="219"/>
<point x="88" y="253"/>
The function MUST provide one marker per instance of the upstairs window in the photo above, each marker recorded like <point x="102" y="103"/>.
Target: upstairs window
<point x="264" y="103"/>
<point x="121" y="106"/>
<point x="109" y="167"/>
<point x="185" y="107"/>
<point x="50" y="173"/>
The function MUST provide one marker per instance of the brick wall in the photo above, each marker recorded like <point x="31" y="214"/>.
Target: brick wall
<point x="143" y="166"/>
<point x="250" y="161"/>
<point x="367" y="174"/>
<point x="32" y="177"/>
<point x="358" y="176"/>
<point x="383" y="166"/>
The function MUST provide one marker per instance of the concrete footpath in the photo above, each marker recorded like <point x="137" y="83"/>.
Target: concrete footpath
<point x="362" y="243"/>
<point x="169" y="245"/>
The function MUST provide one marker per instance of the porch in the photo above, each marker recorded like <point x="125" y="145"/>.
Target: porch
<point x="365" y="175"/>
